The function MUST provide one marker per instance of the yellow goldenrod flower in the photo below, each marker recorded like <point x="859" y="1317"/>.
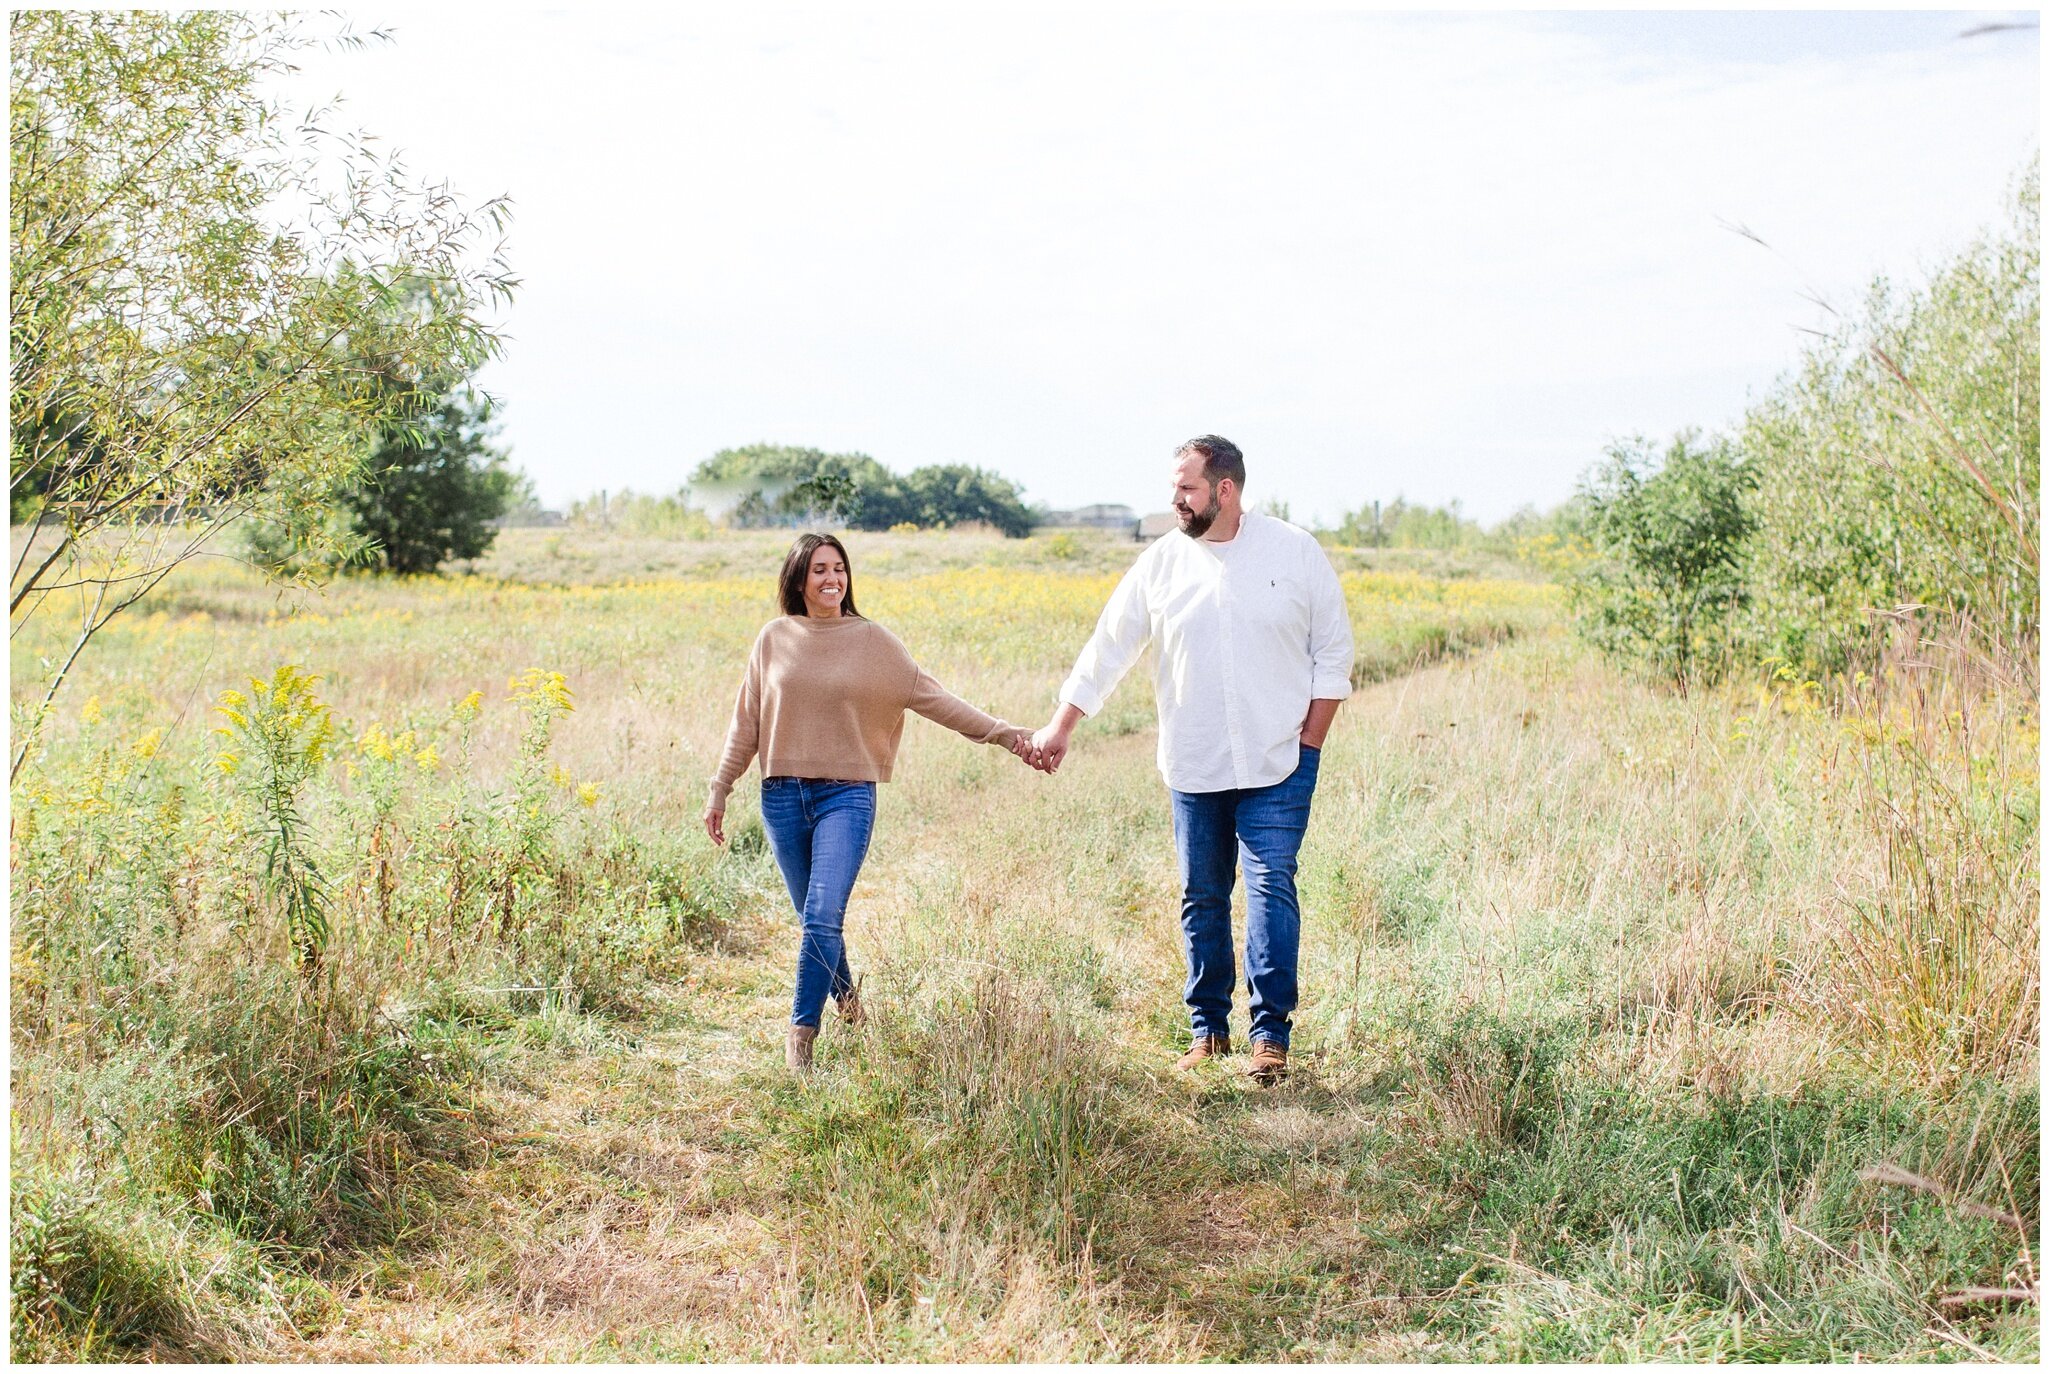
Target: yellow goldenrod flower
<point x="376" y="743"/>
<point x="90" y="712"/>
<point x="587" y="793"/>
<point x="147" y="746"/>
<point x="469" y="708"/>
<point x="540" y="687"/>
<point x="428" y="759"/>
<point x="227" y="763"/>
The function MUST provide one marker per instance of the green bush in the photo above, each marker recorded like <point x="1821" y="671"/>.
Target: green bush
<point x="1900" y="464"/>
<point x="1897" y="470"/>
<point x="1669" y="535"/>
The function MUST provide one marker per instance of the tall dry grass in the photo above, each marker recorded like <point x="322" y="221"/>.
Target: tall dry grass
<point x="1595" y="1060"/>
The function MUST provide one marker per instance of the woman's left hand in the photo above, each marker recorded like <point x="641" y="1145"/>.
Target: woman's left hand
<point x="1020" y="744"/>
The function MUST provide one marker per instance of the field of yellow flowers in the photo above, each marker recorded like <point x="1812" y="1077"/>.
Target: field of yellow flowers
<point x="376" y="996"/>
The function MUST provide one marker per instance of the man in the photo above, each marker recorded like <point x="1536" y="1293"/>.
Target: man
<point x="1255" y="655"/>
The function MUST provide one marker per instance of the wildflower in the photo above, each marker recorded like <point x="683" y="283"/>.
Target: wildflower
<point x="376" y="743"/>
<point x="542" y="688"/>
<point x="227" y="763"/>
<point x="587" y="793"/>
<point x="320" y="737"/>
<point x="147" y="746"/>
<point x="90" y="712"/>
<point x="558" y="776"/>
<point x="469" y="708"/>
<point x="429" y="759"/>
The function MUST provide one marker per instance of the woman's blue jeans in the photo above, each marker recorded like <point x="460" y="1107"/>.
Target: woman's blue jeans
<point x="819" y="831"/>
<point x="1260" y="830"/>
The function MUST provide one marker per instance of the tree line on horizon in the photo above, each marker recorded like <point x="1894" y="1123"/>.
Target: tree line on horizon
<point x="759" y="486"/>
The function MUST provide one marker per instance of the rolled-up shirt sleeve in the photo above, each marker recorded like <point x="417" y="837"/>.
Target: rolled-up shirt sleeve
<point x="1330" y="633"/>
<point x="1120" y="637"/>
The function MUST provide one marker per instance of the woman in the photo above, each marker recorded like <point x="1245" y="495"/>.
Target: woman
<point x="823" y="704"/>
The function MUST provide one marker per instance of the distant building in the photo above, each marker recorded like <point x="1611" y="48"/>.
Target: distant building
<point x="1153" y="526"/>
<point x="1098" y="517"/>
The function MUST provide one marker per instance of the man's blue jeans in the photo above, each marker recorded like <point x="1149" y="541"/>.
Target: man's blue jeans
<point x="1259" y="829"/>
<point x="819" y="831"/>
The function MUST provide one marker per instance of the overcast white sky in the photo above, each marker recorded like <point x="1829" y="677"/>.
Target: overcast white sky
<point x="1443" y="256"/>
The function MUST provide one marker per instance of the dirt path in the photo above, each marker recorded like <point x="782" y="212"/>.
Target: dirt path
<point x="634" y="1205"/>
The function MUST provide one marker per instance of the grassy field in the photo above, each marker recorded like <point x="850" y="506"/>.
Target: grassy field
<point x="1636" y="1026"/>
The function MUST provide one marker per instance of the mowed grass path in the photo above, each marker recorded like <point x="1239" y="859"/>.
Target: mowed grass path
<point x="1576" y="1076"/>
<point x="649" y="1198"/>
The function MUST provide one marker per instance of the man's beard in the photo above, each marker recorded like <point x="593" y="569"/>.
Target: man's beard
<point x="1197" y="525"/>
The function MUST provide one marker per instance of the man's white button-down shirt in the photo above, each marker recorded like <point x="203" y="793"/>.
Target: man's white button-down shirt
<point x="1250" y="631"/>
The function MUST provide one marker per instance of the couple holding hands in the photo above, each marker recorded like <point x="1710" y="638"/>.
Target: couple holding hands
<point x="1255" y="653"/>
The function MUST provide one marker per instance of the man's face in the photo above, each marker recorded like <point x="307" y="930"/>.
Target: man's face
<point x="1195" y="499"/>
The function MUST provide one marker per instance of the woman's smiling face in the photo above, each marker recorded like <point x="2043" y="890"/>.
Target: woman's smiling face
<point x="825" y="583"/>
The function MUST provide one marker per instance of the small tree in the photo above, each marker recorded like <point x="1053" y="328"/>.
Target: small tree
<point x="215" y="299"/>
<point x="1669" y="534"/>
<point x="431" y="490"/>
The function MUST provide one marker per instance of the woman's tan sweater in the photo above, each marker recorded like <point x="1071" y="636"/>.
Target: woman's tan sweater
<point x="826" y="699"/>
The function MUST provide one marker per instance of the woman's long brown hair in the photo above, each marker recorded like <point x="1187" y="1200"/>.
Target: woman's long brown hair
<point x="799" y="563"/>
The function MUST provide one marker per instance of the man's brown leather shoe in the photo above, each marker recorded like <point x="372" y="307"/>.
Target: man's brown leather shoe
<point x="1206" y="1047"/>
<point x="1270" y="1062"/>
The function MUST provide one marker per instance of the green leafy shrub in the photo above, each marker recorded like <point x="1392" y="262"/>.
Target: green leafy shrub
<point x="1900" y="465"/>
<point x="1669" y="533"/>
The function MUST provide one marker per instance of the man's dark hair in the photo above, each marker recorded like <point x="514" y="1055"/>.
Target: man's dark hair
<point x="791" y="588"/>
<point x="1221" y="459"/>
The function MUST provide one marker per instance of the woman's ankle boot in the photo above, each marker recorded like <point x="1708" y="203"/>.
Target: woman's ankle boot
<point x="797" y="1049"/>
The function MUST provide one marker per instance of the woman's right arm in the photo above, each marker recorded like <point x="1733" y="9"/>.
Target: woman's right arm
<point x="743" y="734"/>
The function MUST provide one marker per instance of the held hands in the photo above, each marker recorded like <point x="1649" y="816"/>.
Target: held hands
<point x="1051" y="744"/>
<point x="1021" y="744"/>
